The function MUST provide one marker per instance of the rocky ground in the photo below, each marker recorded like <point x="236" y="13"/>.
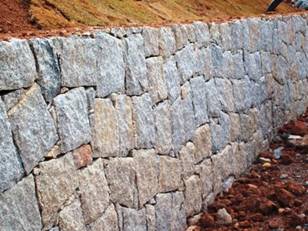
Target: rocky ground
<point x="273" y="194"/>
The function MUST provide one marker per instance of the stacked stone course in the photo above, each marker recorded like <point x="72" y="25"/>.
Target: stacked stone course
<point x="140" y="128"/>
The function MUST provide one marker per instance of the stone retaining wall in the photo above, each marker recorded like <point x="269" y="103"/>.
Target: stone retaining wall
<point x="140" y="128"/>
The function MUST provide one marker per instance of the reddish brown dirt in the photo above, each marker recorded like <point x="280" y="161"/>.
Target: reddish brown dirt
<point x="272" y="196"/>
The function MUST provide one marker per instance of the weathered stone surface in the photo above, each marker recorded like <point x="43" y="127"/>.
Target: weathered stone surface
<point x="205" y="66"/>
<point x="206" y="177"/>
<point x="12" y="98"/>
<point x="94" y="191"/>
<point x="107" y="222"/>
<point x="193" y="195"/>
<point x="157" y="83"/>
<point x="124" y="108"/>
<point x="167" y="43"/>
<point x="78" y="58"/>
<point x="11" y="168"/>
<point x="180" y="34"/>
<point x="248" y="124"/>
<point x="238" y="69"/>
<point x="199" y="100"/>
<point x="237" y="34"/>
<point x="215" y="33"/>
<point x="213" y="99"/>
<point x="225" y="94"/>
<point x="111" y="65"/>
<point x="177" y="125"/>
<point x="82" y="156"/>
<point x="170" y="213"/>
<point x="17" y="65"/>
<point x="242" y="94"/>
<point x="172" y="78"/>
<point x="186" y="62"/>
<point x="49" y="76"/>
<point x="254" y="41"/>
<point x="253" y="65"/>
<point x="121" y="175"/>
<point x="143" y="116"/>
<point x="202" y="33"/>
<point x="150" y="217"/>
<point x="163" y="128"/>
<point x="70" y="218"/>
<point x="217" y="60"/>
<point x="136" y="75"/>
<point x="170" y="174"/>
<point x="33" y="128"/>
<point x="226" y="39"/>
<point x="133" y="220"/>
<point x="73" y="122"/>
<point x="105" y="129"/>
<point x="147" y="173"/>
<point x="202" y="142"/>
<point x="187" y="158"/>
<point x="220" y="132"/>
<point x="19" y="209"/>
<point x="235" y="127"/>
<point x="56" y="182"/>
<point x="151" y="41"/>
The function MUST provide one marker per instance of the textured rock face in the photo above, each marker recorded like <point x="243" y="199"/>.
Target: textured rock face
<point x="140" y="128"/>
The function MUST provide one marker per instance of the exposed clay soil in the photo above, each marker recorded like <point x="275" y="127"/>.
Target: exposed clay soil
<point x="273" y="195"/>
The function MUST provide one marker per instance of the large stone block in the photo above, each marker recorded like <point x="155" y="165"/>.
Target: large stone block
<point x="180" y="34"/>
<point x="33" y="128"/>
<point x="212" y="98"/>
<point x="220" y="132"/>
<point x="94" y="191"/>
<point x="206" y="177"/>
<point x="202" y="142"/>
<point x="19" y="208"/>
<point x="143" y="117"/>
<point x="151" y="41"/>
<point x="202" y="34"/>
<point x="55" y="184"/>
<point x="105" y="129"/>
<point x="187" y="62"/>
<point x="193" y="195"/>
<point x="226" y="39"/>
<point x="217" y="60"/>
<point x="17" y="65"/>
<point x="177" y="125"/>
<point x="205" y="62"/>
<point x="170" y="174"/>
<point x="254" y="42"/>
<point x="172" y="78"/>
<point x="167" y="43"/>
<point x="133" y="220"/>
<point x="253" y="65"/>
<point x="11" y="168"/>
<point x="136" y="75"/>
<point x="107" y="222"/>
<point x="73" y="122"/>
<point x="225" y="94"/>
<point x="187" y="158"/>
<point x="242" y="94"/>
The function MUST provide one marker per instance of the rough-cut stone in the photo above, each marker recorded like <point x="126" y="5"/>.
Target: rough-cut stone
<point x="124" y="108"/>
<point x="143" y="116"/>
<point x="111" y="65"/>
<point x="177" y="125"/>
<point x="187" y="158"/>
<point x="133" y="220"/>
<point x="11" y="168"/>
<point x="12" y="98"/>
<point x="193" y="195"/>
<point x="199" y="100"/>
<point x="73" y="122"/>
<point x="206" y="177"/>
<point x="151" y="41"/>
<point x="147" y="172"/>
<point x="167" y="43"/>
<point x="172" y="78"/>
<point x="82" y="156"/>
<point x="105" y="129"/>
<point x="33" y="128"/>
<point x="254" y="40"/>
<point x="217" y="61"/>
<point x="70" y="218"/>
<point x="150" y="217"/>
<point x="94" y="191"/>
<point x="242" y="94"/>
<point x="121" y="175"/>
<point x="163" y="128"/>
<point x="157" y="83"/>
<point x="226" y="39"/>
<point x="17" y="65"/>
<point x="220" y="132"/>
<point x="215" y="33"/>
<point x="56" y="182"/>
<point x="107" y="222"/>
<point x="253" y="65"/>
<point x="170" y="174"/>
<point x="238" y="69"/>
<point x="78" y="58"/>
<point x="202" y="33"/>
<point x="49" y="75"/>
<point x="225" y="94"/>
<point x="186" y="62"/>
<point x="235" y="127"/>
<point x="213" y="99"/>
<point x="180" y="34"/>
<point x="237" y="34"/>
<point x="202" y="142"/>
<point x="136" y="75"/>
<point x="248" y="124"/>
<point x="19" y="208"/>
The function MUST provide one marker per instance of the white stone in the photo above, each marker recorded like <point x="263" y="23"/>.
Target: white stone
<point x="170" y="174"/>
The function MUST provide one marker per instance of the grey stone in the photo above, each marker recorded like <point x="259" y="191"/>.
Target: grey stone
<point x="190" y="32"/>
<point x="151" y="41"/>
<point x="205" y="62"/>
<point x="220" y="132"/>
<point x="266" y="32"/>
<point x="202" y="33"/>
<point x="248" y="124"/>
<point x="238" y="65"/>
<point x="202" y="142"/>
<point x="17" y="65"/>
<point x="136" y="74"/>
<point x="124" y="108"/>
<point x="73" y="122"/>
<point x="226" y="39"/>
<point x="55" y="184"/>
<point x="186" y="62"/>
<point x="180" y="34"/>
<point x="12" y="98"/>
<point x="147" y="172"/>
<point x="143" y="117"/>
<point x="94" y="191"/>
<point x="199" y="100"/>
<point x="163" y="128"/>
<point x="235" y="126"/>
<point x="107" y="222"/>
<point x="150" y="217"/>
<point x="105" y="129"/>
<point x="172" y="78"/>
<point x="49" y="73"/>
<point x="11" y="168"/>
<point x="225" y="94"/>
<point x="133" y="220"/>
<point x="33" y="128"/>
<point x="177" y="125"/>
<point x="121" y="176"/>
<point x="254" y="41"/>
<point x="223" y="217"/>
<point x="217" y="60"/>
<point x="266" y="62"/>
<point x="170" y="174"/>
<point x="91" y="93"/>
<point x="242" y="94"/>
<point x="206" y="177"/>
<point x="111" y="65"/>
<point x="192" y="195"/>
<point x="157" y="83"/>
<point x="187" y="158"/>
<point x="237" y="34"/>
<point x="215" y="33"/>
<point x="253" y="65"/>
<point x="19" y="208"/>
<point x="167" y="43"/>
<point x="213" y="98"/>
<point x="70" y="218"/>
<point x="78" y="58"/>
